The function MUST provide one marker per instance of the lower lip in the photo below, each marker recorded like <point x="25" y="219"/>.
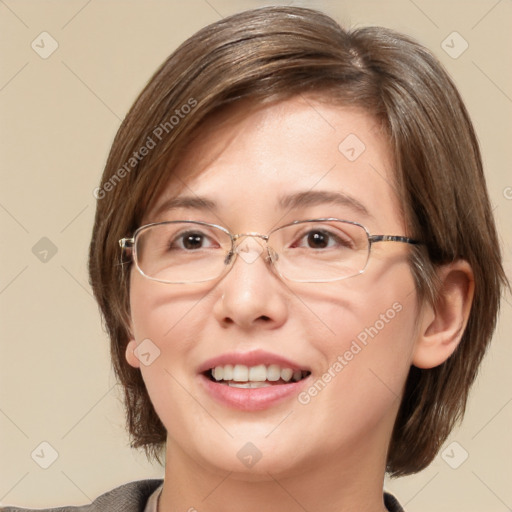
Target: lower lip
<point x="251" y="399"/>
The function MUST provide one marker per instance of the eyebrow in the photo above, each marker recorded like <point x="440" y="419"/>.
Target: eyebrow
<point x="188" y="202"/>
<point x="319" y="197"/>
<point x="286" y="202"/>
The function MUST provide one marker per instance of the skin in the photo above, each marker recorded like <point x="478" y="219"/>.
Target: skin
<point x="329" y="454"/>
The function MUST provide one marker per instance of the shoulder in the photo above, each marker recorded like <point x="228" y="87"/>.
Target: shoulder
<point x="130" y="497"/>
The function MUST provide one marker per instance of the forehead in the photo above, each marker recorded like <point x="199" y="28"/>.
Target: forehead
<point x="290" y="154"/>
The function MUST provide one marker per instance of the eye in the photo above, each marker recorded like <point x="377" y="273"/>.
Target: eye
<point x="192" y="241"/>
<point x="324" y="239"/>
<point x="318" y="239"/>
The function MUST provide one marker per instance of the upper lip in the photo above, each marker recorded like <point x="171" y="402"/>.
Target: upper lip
<point x="251" y="358"/>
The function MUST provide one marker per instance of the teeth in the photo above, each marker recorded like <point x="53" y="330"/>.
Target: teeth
<point x="249" y="384"/>
<point x="240" y="373"/>
<point x="273" y="373"/>
<point x="253" y="376"/>
<point x="286" y="374"/>
<point x="228" y="372"/>
<point x="258" y="373"/>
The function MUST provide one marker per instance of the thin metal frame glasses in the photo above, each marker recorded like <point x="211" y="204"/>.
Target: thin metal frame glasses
<point x="307" y="251"/>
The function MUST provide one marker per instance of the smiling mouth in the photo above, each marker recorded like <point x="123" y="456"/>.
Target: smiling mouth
<point x="260" y="376"/>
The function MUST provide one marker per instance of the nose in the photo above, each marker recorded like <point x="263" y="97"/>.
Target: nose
<point x="251" y="294"/>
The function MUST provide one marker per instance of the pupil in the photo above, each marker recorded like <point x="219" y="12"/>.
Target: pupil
<point x="192" y="241"/>
<point x="317" y="239"/>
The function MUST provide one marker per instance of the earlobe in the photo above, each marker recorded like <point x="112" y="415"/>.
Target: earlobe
<point x="442" y="324"/>
<point x="130" y="355"/>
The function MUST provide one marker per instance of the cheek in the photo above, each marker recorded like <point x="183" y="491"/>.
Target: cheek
<point x="367" y="354"/>
<point x="378" y="305"/>
<point x="369" y="363"/>
<point x="173" y="319"/>
<point x="164" y="312"/>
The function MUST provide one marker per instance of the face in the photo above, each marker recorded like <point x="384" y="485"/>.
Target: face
<point x="350" y="342"/>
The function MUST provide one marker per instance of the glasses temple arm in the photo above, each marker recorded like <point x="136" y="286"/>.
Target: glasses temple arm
<point x="392" y="238"/>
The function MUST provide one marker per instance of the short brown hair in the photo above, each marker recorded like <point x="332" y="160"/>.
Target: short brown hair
<point x="272" y="54"/>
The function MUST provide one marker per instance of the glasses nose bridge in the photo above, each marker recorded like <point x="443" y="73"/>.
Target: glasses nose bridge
<point x="238" y="239"/>
<point x="240" y="236"/>
<point x="245" y="251"/>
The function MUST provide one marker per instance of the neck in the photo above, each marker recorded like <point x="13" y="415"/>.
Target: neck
<point x="348" y="481"/>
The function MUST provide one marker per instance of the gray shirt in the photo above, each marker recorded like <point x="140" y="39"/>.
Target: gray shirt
<point x="142" y="496"/>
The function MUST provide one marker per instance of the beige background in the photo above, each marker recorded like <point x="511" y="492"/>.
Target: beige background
<point x="58" y="118"/>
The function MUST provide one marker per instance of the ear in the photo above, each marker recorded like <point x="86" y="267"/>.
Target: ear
<point x="130" y="354"/>
<point x="442" y="324"/>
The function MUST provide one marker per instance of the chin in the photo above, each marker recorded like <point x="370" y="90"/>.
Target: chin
<point x="255" y="460"/>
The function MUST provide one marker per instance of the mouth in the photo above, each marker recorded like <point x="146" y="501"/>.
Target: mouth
<point x="253" y="377"/>
<point x="252" y="381"/>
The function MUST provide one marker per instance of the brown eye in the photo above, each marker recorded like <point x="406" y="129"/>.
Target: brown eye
<point x="192" y="241"/>
<point x="324" y="239"/>
<point x="318" y="239"/>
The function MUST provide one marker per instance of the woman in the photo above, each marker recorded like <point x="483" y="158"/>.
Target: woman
<point x="297" y="295"/>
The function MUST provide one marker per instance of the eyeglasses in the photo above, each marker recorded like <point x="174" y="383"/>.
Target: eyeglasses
<point x="306" y="251"/>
